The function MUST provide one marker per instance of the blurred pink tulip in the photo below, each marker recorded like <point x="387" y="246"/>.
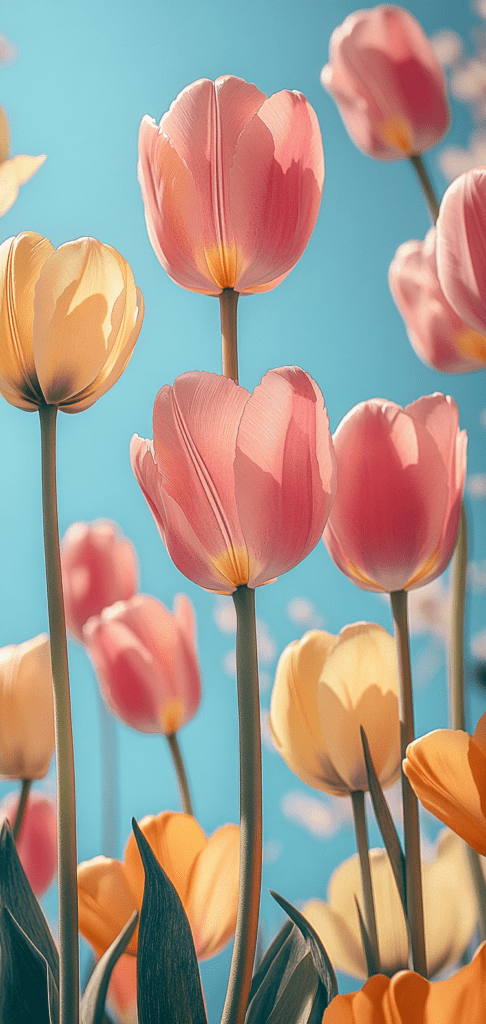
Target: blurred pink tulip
<point x="461" y="247"/>
<point x="99" y="567"/>
<point x="401" y="476"/>
<point x="387" y="82"/>
<point x="37" y="841"/>
<point x="440" y="338"/>
<point x="231" y="183"/>
<point x="146" y="661"/>
<point x="122" y="993"/>
<point x="240" y="485"/>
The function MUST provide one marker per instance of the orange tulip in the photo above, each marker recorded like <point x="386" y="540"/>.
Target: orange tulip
<point x="15" y="170"/>
<point x="408" y="998"/>
<point x="26" y="709"/>
<point x="447" y="770"/>
<point x="203" y="871"/>
<point x="69" y="319"/>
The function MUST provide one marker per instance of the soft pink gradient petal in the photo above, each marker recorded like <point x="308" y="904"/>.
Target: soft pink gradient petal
<point x="37" y="842"/>
<point x="99" y="567"/>
<point x="285" y="472"/>
<point x="461" y="247"/>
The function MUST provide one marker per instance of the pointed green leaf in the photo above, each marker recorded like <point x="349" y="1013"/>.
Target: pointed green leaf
<point x="17" y="895"/>
<point x="278" y="975"/>
<point x="295" y="1005"/>
<point x="268" y="958"/>
<point x="322" y="962"/>
<point x="169" y="984"/>
<point x="385" y="824"/>
<point x="365" y="939"/>
<point x="94" y="998"/>
<point x="28" y="991"/>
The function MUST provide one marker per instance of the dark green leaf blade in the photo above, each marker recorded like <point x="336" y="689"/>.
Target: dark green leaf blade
<point x="169" y="984"/>
<point x="28" y="992"/>
<point x="322" y="962"/>
<point x="94" y="998"/>
<point x="268" y="958"/>
<point x="287" y="957"/>
<point x="296" y="1003"/>
<point x="365" y="939"/>
<point x="386" y="824"/>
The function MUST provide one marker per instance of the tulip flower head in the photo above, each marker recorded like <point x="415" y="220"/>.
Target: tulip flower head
<point x="37" y="841"/>
<point x="203" y="871"/>
<point x="15" y="170"/>
<point x="326" y="687"/>
<point x="69" y="319"/>
<point x="99" y="567"/>
<point x="401" y="476"/>
<point x="146" y="661"/>
<point x="387" y="82"/>
<point x="26" y="709"/>
<point x="461" y="247"/>
<point x="239" y="484"/>
<point x="231" y="183"/>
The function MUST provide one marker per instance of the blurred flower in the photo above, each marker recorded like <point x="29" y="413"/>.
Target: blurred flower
<point x="26" y="709"/>
<point x="99" y="567"/>
<point x="145" y="658"/>
<point x="440" y="338"/>
<point x="401" y="475"/>
<point x="122" y="992"/>
<point x="429" y="610"/>
<point x="251" y="506"/>
<point x="408" y="998"/>
<point x="37" y="840"/>
<point x="203" y="871"/>
<point x="461" y="248"/>
<point x="8" y="51"/>
<point x="447" y="770"/>
<point x="449" y="909"/>
<point x="326" y="687"/>
<point x="447" y="46"/>
<point x="69" y="319"/>
<point x="387" y="82"/>
<point x="231" y="183"/>
<point x="454" y="160"/>
<point x="15" y="170"/>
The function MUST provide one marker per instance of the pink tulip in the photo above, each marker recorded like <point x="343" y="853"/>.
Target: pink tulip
<point x="240" y="485"/>
<point x="401" y="475"/>
<point x="146" y="661"/>
<point x="37" y="840"/>
<point x="387" y="83"/>
<point x="231" y="182"/>
<point x="440" y="338"/>
<point x="461" y="247"/>
<point x="99" y="567"/>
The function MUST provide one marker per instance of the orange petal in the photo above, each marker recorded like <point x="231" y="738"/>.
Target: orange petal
<point x="176" y="840"/>
<point x="105" y="901"/>
<point x="21" y="261"/>
<point x="213" y="893"/>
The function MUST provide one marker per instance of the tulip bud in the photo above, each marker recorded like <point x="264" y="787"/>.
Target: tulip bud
<point x="69" y="320"/>
<point x="99" y="567"/>
<point x="37" y="841"/>
<point x="326" y="687"/>
<point x="26" y="709"/>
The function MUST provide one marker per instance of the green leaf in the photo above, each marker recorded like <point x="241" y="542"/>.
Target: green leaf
<point x="169" y="985"/>
<point x="386" y="824"/>
<point x="296" y="1004"/>
<point x="281" y="966"/>
<point x="94" y="998"/>
<point x="268" y="958"/>
<point x="17" y="895"/>
<point x="28" y="990"/>
<point x="365" y="939"/>
<point x="322" y="962"/>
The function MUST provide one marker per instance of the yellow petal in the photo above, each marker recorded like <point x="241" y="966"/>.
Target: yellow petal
<point x="26" y="709"/>
<point x="213" y="894"/>
<point x="105" y="902"/>
<point x="176" y="840"/>
<point x="21" y="261"/>
<point x="14" y="173"/>
<point x="449" y="903"/>
<point x="339" y="937"/>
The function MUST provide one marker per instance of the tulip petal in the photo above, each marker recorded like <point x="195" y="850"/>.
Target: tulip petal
<point x="105" y="902"/>
<point x="343" y="946"/>
<point x="37" y="841"/>
<point x="365" y="1007"/>
<point x="14" y="173"/>
<point x="459" y="999"/>
<point x="26" y="709"/>
<point x="213" y="892"/>
<point x="176" y="840"/>
<point x="450" y="908"/>
<point x="461" y="245"/>
<point x="21" y="261"/>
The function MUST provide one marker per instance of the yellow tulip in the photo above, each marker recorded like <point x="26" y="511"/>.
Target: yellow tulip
<point x="326" y="687"/>
<point x="69" y="320"/>
<point x="14" y="171"/>
<point x="26" y="709"/>
<point x="449" y="910"/>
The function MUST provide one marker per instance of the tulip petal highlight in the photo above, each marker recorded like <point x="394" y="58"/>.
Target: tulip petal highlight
<point x="99" y="567"/>
<point x="461" y="247"/>
<point x="26" y="709"/>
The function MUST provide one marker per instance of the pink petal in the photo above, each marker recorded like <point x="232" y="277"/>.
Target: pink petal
<point x="99" y="567"/>
<point x="461" y="247"/>
<point x="37" y="842"/>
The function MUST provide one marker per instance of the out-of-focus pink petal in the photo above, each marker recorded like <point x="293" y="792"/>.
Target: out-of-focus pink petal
<point x="184" y="613"/>
<point x="461" y="247"/>
<point x="99" y="567"/>
<point x="37" y="840"/>
<point x="122" y="992"/>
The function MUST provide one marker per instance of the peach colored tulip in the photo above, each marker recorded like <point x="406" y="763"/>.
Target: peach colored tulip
<point x="26" y="709"/>
<point x="449" y="909"/>
<point x="461" y="247"/>
<point x="69" y="319"/>
<point x="326" y="687"/>
<point x="440" y="338"/>
<point x="408" y="998"/>
<point x="204" y="872"/>
<point x="146" y="661"/>
<point x="15" y="170"/>
<point x="401" y="475"/>
<point x="251" y="506"/>
<point x="447" y="770"/>
<point x="37" y="841"/>
<point x="231" y="183"/>
<point x="99" y="567"/>
<point x="387" y="82"/>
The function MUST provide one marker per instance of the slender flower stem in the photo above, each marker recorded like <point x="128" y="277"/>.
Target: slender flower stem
<point x="250" y="809"/>
<point x="19" y="817"/>
<point x="180" y="772"/>
<point x="66" y="807"/>
<point x="426" y="185"/>
<point x="457" y="714"/>
<point x="109" y="780"/>
<point x="410" y="804"/>
<point x="359" y="814"/>
<point x="228" y="301"/>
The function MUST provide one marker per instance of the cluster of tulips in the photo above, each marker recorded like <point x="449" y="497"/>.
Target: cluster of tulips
<point x="242" y="486"/>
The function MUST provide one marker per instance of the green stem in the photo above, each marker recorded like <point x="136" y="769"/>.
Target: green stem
<point x="180" y="772"/>
<point x="250" y="809"/>
<point x="66" y="806"/>
<point x="426" y="185"/>
<point x="411" y="829"/>
<point x="359" y="815"/>
<point x="228" y="302"/>
<point x="109" y="780"/>
<point x="457" y="714"/>
<point x="19" y="817"/>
